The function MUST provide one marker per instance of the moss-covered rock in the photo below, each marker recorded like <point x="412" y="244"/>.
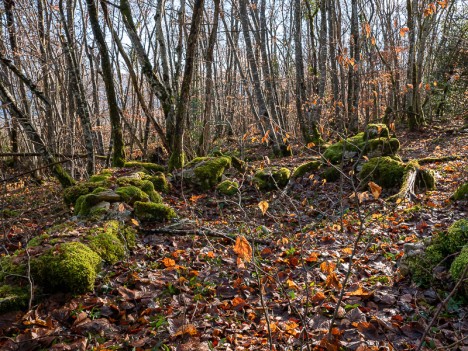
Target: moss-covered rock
<point x="461" y="193"/>
<point x="385" y="171"/>
<point x="228" y="187"/>
<point x="11" y="266"/>
<point x="272" y="178"/>
<point x="84" y="204"/>
<point x="421" y="263"/>
<point x="130" y="194"/>
<point x="360" y="144"/>
<point x="238" y="164"/>
<point x="147" y="166"/>
<point x="71" y="194"/>
<point x="305" y="168"/>
<point x="331" y="174"/>
<point x="97" y="178"/>
<point x="149" y="211"/>
<point x="455" y="238"/>
<point x="206" y="172"/>
<point x="69" y="267"/>
<point x="13" y="298"/>
<point x="108" y="246"/>
<point x="458" y="266"/>
<point x="376" y="130"/>
<point x="160" y="182"/>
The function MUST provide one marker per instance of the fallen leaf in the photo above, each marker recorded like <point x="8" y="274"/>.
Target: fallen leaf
<point x="188" y="329"/>
<point x="263" y="206"/>
<point x="376" y="190"/>
<point x="168" y="262"/>
<point x="243" y="249"/>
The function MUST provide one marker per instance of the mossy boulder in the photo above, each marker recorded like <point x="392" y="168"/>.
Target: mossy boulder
<point x="84" y="204"/>
<point x="228" y="187"/>
<point x="148" y="167"/>
<point x="306" y="168"/>
<point x="458" y="266"/>
<point x="71" y="194"/>
<point x="130" y="194"/>
<point x="331" y="174"/>
<point x="376" y="130"/>
<point x="108" y="246"/>
<point x="11" y="266"/>
<point x="206" y="172"/>
<point x="421" y="263"/>
<point x="238" y="164"/>
<point x="272" y="178"/>
<point x="385" y="171"/>
<point x="361" y="144"/>
<point x="160" y="182"/>
<point x="13" y="298"/>
<point x="97" y="178"/>
<point x="69" y="267"/>
<point x="461" y="193"/>
<point x="149" y="211"/>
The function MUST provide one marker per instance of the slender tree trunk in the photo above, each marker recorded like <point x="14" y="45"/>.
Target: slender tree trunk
<point x="177" y="157"/>
<point x="354" y="70"/>
<point x="118" y="155"/>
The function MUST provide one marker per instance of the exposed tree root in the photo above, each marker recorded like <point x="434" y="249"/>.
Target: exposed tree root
<point x="427" y="160"/>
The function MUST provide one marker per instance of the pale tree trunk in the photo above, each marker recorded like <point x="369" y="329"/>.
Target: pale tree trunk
<point x="322" y="67"/>
<point x="78" y="89"/>
<point x="354" y="70"/>
<point x="205" y="136"/>
<point x="118" y="155"/>
<point x="177" y="157"/>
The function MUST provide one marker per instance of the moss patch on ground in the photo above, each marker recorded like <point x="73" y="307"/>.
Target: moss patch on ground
<point x="461" y="193"/>
<point x="13" y="298"/>
<point x="160" y="182"/>
<point x="272" y="178"/>
<point x="149" y="211"/>
<point x="305" y="168"/>
<point x="228" y="187"/>
<point x="147" y="166"/>
<point x="70" y="267"/>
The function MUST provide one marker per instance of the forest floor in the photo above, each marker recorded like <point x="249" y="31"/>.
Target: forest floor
<point x="191" y="292"/>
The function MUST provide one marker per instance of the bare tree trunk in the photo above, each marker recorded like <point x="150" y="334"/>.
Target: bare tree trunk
<point x="118" y="155"/>
<point x="354" y="70"/>
<point x="177" y="157"/>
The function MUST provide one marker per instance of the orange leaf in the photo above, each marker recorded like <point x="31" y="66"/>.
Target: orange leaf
<point x="443" y="3"/>
<point x="360" y="292"/>
<point x="327" y="267"/>
<point x="312" y="257"/>
<point x="310" y="145"/>
<point x="238" y="302"/>
<point x="168" y="262"/>
<point x="189" y="329"/>
<point x="347" y="250"/>
<point x="135" y="222"/>
<point x="403" y="31"/>
<point x="243" y="249"/>
<point x="263" y="206"/>
<point x="318" y="297"/>
<point x="375" y="189"/>
<point x="332" y="280"/>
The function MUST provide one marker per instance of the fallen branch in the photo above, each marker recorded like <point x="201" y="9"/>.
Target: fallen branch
<point x="426" y="160"/>
<point x="200" y="232"/>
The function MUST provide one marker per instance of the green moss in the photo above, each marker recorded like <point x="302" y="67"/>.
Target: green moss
<point x="11" y="266"/>
<point x="13" y="298"/>
<point x="461" y="193"/>
<point x="176" y="161"/>
<point x="160" y="182"/>
<point x="131" y="193"/>
<point x="145" y="185"/>
<point x="377" y="130"/>
<point x="148" y="211"/>
<point x="99" y="178"/>
<point x="84" y="203"/>
<point x="238" y="164"/>
<point x="358" y="144"/>
<point x="63" y="176"/>
<point x="421" y="266"/>
<point x="228" y="187"/>
<point x="426" y="179"/>
<point x="69" y="267"/>
<point x="331" y="174"/>
<point x="128" y="236"/>
<point x="98" y="190"/>
<point x="458" y="266"/>
<point x="209" y="170"/>
<point x="305" y="168"/>
<point x="455" y="238"/>
<point x="38" y="240"/>
<point x="7" y="213"/>
<point x="147" y="166"/>
<point x="384" y="171"/>
<point x="108" y="246"/>
<point x="272" y="178"/>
